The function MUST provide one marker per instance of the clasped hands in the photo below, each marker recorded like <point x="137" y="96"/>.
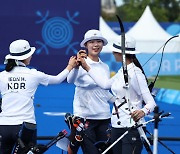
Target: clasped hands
<point x="76" y="61"/>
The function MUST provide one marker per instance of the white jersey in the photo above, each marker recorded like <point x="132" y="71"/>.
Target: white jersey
<point x="90" y="101"/>
<point x="138" y="92"/>
<point x="17" y="88"/>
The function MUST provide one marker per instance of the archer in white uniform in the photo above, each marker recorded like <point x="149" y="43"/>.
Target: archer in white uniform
<point x="18" y="85"/>
<point x="131" y="112"/>
<point x="90" y="100"/>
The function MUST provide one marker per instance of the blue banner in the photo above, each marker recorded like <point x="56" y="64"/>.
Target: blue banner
<point x="170" y="63"/>
<point x="54" y="27"/>
<point x="169" y="96"/>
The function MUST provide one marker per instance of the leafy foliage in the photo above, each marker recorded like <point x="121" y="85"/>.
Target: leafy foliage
<point x="163" y="10"/>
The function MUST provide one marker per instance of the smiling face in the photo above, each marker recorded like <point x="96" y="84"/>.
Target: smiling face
<point x="94" y="47"/>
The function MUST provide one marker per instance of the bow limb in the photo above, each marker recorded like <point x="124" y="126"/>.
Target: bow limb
<point x="124" y="63"/>
<point x="151" y="85"/>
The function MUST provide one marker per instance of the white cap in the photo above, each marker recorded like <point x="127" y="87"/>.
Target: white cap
<point x="20" y="50"/>
<point x="93" y="35"/>
<point x="130" y="45"/>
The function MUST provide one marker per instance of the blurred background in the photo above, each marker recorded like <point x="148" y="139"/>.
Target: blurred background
<point x="56" y="29"/>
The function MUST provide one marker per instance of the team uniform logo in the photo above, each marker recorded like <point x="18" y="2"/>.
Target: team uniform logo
<point x="15" y="83"/>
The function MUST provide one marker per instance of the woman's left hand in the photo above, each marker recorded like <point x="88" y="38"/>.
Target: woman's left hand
<point x="82" y="54"/>
<point x="83" y="63"/>
<point x="137" y="114"/>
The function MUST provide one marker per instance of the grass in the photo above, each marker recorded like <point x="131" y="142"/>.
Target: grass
<point x="167" y="82"/>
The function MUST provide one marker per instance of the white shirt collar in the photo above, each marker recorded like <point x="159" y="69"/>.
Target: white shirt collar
<point x="90" y="61"/>
<point x="130" y="66"/>
<point x="19" y="63"/>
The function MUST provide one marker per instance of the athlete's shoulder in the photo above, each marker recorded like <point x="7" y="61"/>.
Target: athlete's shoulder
<point x="2" y="72"/>
<point x="34" y="70"/>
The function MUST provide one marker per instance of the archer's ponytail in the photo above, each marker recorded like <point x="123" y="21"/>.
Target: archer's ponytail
<point x="136" y="62"/>
<point x="10" y="65"/>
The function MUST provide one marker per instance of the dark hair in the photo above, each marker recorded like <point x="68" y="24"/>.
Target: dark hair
<point x="10" y="65"/>
<point x="136" y="62"/>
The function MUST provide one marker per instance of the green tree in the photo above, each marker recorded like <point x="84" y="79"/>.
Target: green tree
<point x="163" y="10"/>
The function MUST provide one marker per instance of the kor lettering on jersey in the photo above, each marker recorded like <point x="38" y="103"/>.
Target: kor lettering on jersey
<point x="15" y="83"/>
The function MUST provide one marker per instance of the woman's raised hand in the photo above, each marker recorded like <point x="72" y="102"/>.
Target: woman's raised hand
<point x="72" y="63"/>
<point x="83" y="63"/>
<point x="82" y="53"/>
